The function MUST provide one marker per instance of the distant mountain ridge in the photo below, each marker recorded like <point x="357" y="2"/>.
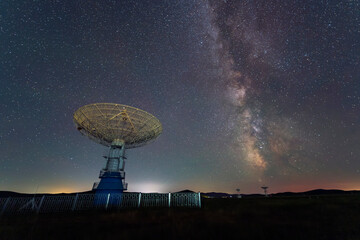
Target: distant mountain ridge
<point x="281" y="194"/>
<point x="16" y="194"/>
<point x="314" y="192"/>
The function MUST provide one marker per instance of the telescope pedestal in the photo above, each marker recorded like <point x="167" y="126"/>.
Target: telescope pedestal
<point x="113" y="175"/>
<point x="111" y="182"/>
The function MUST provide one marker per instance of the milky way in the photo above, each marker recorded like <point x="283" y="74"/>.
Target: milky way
<point x="288" y="67"/>
<point x="249" y="93"/>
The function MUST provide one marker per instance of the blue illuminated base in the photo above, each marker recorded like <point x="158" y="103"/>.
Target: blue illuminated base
<point x="111" y="182"/>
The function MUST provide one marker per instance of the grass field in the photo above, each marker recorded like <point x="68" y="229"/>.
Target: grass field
<point x="324" y="217"/>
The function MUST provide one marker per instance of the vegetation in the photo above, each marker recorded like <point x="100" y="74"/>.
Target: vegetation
<point x="310" y="217"/>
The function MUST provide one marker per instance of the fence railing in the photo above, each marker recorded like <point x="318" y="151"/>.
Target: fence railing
<point x="80" y="202"/>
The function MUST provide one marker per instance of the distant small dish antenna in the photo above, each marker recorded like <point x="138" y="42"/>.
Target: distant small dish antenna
<point x="238" y="193"/>
<point x="265" y="190"/>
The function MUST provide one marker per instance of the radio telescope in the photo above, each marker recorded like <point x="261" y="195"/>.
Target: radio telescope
<point x="265" y="190"/>
<point x="118" y="127"/>
<point x="238" y="193"/>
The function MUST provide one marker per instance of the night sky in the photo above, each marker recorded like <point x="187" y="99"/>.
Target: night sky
<point x="250" y="93"/>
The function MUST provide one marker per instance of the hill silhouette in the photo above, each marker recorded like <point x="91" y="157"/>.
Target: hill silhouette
<point x="209" y="194"/>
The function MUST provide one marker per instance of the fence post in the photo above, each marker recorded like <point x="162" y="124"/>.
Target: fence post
<point x="169" y="199"/>
<point x="196" y="203"/>
<point x="38" y="207"/>
<point x="199" y="196"/>
<point x="4" y="207"/>
<point x="139" y="199"/>
<point x="74" y="203"/>
<point x="107" y="201"/>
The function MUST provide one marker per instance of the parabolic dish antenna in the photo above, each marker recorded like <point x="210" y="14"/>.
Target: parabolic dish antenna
<point x="105" y="122"/>
<point x="119" y="127"/>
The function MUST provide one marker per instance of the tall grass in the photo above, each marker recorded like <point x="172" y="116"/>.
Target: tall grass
<point x="325" y="217"/>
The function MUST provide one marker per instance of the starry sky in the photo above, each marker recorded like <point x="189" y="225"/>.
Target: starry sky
<point x="250" y="93"/>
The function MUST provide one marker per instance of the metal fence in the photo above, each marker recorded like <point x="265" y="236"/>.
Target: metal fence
<point x="80" y="202"/>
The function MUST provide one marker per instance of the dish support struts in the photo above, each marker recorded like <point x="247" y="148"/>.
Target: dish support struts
<point x="112" y="177"/>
